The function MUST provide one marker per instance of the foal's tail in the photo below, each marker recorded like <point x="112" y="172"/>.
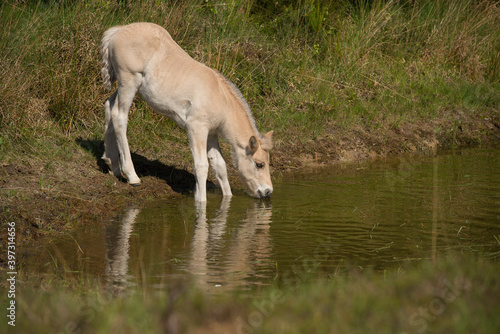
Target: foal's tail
<point x="107" y="71"/>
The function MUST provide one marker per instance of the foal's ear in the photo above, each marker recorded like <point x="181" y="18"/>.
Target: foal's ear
<point x="267" y="141"/>
<point x="253" y="145"/>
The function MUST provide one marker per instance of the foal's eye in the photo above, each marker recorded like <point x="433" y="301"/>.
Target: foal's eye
<point x="259" y="165"/>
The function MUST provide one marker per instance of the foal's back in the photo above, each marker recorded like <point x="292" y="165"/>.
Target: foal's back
<point x="135" y="45"/>
<point x="144" y="56"/>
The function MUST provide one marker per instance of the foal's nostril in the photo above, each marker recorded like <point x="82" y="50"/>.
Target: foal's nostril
<point x="264" y="194"/>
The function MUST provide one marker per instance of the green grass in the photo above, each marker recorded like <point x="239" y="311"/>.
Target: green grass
<point x="301" y="65"/>
<point x="453" y="295"/>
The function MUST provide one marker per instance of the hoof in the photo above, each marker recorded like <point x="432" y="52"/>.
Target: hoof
<point x="135" y="184"/>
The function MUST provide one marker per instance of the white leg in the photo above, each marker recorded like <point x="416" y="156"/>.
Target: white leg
<point x="218" y="164"/>
<point x="119" y="118"/>
<point x="111" y="154"/>
<point x="198" y="143"/>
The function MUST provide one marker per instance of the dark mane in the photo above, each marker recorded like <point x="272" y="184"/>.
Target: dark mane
<point x="237" y="94"/>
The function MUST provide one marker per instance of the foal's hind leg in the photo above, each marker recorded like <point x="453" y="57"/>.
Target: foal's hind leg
<point x="111" y="155"/>
<point x="127" y="88"/>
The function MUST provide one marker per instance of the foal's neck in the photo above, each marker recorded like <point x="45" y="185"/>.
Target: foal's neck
<point x="239" y="124"/>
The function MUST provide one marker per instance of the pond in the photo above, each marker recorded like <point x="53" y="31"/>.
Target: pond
<point x="383" y="215"/>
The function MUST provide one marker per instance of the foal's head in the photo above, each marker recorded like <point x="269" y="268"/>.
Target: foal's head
<point x="254" y="165"/>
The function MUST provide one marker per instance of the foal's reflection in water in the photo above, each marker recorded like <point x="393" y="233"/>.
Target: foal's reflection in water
<point x="222" y="253"/>
<point x="117" y="252"/>
<point x="222" y="258"/>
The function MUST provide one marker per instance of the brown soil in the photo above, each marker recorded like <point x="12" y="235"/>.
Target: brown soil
<point x="360" y="143"/>
<point x="49" y="198"/>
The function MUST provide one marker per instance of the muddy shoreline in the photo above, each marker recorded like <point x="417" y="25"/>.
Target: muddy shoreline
<point x="79" y="190"/>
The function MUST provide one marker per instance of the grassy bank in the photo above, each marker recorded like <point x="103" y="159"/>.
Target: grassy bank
<point x="336" y="80"/>
<point x="453" y="295"/>
<point x="301" y="64"/>
<point x="311" y="66"/>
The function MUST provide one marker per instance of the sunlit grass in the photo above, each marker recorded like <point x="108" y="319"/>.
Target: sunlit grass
<point x="302" y="67"/>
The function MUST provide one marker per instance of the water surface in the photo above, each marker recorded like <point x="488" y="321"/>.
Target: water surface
<point x="382" y="215"/>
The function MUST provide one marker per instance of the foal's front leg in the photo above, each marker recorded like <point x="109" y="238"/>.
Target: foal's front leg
<point x="218" y="164"/>
<point x="198" y="141"/>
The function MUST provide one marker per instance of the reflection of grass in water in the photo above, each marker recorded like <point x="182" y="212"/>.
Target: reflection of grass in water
<point x="494" y="255"/>
<point x="454" y="295"/>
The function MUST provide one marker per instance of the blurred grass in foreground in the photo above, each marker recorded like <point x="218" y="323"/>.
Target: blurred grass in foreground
<point x="453" y="295"/>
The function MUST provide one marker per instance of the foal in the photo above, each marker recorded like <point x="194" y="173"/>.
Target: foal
<point x="143" y="57"/>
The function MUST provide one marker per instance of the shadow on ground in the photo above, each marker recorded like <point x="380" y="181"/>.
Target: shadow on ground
<point x="181" y="181"/>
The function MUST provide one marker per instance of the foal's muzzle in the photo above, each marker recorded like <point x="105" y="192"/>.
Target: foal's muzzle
<point x="265" y="193"/>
